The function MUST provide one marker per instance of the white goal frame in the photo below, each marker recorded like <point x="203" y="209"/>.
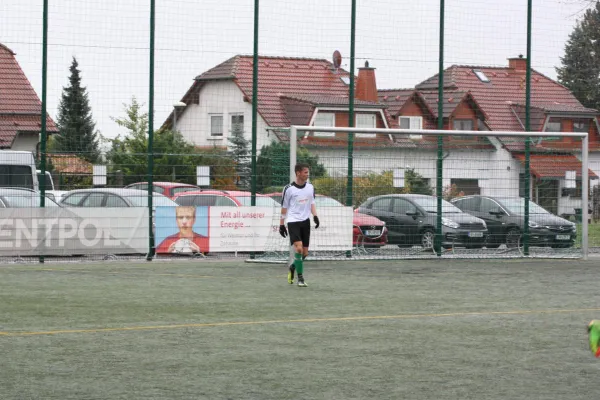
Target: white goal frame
<point x="294" y="129"/>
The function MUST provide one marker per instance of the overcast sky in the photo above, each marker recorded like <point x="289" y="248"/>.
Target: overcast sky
<point x="110" y="39"/>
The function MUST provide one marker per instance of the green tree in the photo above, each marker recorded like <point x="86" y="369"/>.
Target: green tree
<point x="174" y="158"/>
<point x="77" y="130"/>
<point x="273" y="165"/>
<point x="415" y="183"/>
<point x="580" y="70"/>
<point x="241" y="155"/>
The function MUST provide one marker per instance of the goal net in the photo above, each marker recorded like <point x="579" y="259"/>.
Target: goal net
<point x="405" y="193"/>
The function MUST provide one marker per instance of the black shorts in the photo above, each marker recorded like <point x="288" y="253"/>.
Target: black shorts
<point x="299" y="232"/>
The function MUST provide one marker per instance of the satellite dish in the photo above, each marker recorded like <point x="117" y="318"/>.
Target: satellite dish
<point x="337" y="59"/>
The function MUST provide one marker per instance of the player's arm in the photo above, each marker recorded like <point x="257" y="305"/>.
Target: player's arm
<point x="313" y="210"/>
<point x="283" y="215"/>
<point x="282" y="229"/>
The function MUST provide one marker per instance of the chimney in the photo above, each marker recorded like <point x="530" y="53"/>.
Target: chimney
<point x="518" y="63"/>
<point x="366" y="88"/>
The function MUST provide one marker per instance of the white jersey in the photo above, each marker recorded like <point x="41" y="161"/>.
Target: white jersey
<point x="298" y="201"/>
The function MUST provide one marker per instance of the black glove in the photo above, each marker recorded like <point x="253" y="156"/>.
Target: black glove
<point x="283" y="231"/>
<point x="316" y="219"/>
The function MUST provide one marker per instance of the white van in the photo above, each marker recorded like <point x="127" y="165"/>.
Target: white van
<point x="17" y="169"/>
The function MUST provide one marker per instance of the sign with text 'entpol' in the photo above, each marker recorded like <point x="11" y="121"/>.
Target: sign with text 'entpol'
<point x="55" y="231"/>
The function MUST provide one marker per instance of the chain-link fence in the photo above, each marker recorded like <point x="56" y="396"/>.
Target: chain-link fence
<point x="193" y="103"/>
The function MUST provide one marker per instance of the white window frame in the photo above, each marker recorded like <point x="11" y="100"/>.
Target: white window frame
<point x="326" y="119"/>
<point x="414" y="123"/>
<point x="461" y="120"/>
<point x="210" y="126"/>
<point x="366" y="121"/>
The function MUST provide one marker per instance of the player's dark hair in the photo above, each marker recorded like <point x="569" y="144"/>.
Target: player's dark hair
<point x="300" y="166"/>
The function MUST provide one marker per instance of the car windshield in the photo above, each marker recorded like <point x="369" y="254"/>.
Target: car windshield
<point x="517" y="206"/>
<point x="260" y="201"/>
<point x="142" y="201"/>
<point x="27" y="200"/>
<point x="323" y="201"/>
<point x="429" y="204"/>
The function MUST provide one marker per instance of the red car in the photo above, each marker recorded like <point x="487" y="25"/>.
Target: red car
<point x="367" y="230"/>
<point x="169" y="189"/>
<point x="222" y="198"/>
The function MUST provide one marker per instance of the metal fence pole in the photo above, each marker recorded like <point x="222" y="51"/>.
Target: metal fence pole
<point x="151" y="135"/>
<point x="437" y="246"/>
<point x="584" y="196"/>
<point x="528" y="129"/>
<point x="349" y="184"/>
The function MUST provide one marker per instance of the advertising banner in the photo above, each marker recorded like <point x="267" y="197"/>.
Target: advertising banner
<point x="189" y="229"/>
<point x="73" y="231"/>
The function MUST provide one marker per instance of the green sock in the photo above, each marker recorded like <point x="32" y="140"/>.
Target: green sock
<point x="298" y="263"/>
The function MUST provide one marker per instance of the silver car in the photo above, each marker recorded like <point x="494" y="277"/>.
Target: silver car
<point x="113" y="197"/>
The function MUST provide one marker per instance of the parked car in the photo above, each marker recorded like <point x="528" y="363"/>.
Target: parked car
<point x="411" y="219"/>
<point x="230" y="198"/>
<point x="168" y="189"/>
<point x="367" y="231"/>
<point x="505" y="218"/>
<point x="113" y="197"/>
<point x="23" y="198"/>
<point x="56" y="195"/>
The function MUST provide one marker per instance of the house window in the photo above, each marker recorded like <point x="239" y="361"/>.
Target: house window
<point x="411" y="122"/>
<point x="466" y="186"/>
<point x="581" y="125"/>
<point x="553" y="125"/>
<point x="324" y="119"/>
<point x="216" y="125"/>
<point x="462" y="124"/>
<point x="522" y="190"/>
<point x="365" y="121"/>
<point x="237" y="123"/>
<point x="481" y="75"/>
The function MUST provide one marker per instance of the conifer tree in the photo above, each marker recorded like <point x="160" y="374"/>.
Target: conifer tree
<point x="241" y="156"/>
<point x="580" y="70"/>
<point x="77" y="129"/>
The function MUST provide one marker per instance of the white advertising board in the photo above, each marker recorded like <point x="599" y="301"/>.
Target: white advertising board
<point x="73" y="231"/>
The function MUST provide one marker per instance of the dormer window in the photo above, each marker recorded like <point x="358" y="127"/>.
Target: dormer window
<point x="481" y="75"/>
<point x="345" y="79"/>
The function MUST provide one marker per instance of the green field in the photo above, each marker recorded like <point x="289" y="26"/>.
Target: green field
<point x="450" y="329"/>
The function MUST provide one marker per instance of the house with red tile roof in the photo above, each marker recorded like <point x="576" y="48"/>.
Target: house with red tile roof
<point x="493" y="98"/>
<point x="291" y="91"/>
<point x="20" y="107"/>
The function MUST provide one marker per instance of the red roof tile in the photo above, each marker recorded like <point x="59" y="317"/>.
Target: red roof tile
<point x="553" y="166"/>
<point x="308" y="80"/>
<point x="20" y="106"/>
<point x="507" y="87"/>
<point x="70" y="164"/>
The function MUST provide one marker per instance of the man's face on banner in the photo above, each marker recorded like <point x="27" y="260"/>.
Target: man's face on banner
<point x="186" y="217"/>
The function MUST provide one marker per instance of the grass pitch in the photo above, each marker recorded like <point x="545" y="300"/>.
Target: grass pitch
<point x="460" y="329"/>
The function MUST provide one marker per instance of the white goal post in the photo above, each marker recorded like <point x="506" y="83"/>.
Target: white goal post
<point x="304" y="130"/>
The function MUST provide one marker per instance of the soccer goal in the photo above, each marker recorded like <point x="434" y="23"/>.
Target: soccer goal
<point x="442" y="193"/>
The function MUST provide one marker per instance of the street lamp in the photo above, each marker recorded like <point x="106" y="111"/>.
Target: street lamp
<point x="180" y="105"/>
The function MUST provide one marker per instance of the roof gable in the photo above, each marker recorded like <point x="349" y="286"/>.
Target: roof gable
<point x="505" y="88"/>
<point x="20" y="107"/>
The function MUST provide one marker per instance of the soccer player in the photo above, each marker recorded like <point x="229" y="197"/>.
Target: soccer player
<point x="297" y="205"/>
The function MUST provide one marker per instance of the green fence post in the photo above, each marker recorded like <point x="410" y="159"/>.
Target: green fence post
<point x="528" y="129"/>
<point x="151" y="135"/>
<point x="440" y="140"/>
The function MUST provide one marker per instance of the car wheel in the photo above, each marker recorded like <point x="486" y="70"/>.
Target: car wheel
<point x="427" y="239"/>
<point x="513" y="238"/>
